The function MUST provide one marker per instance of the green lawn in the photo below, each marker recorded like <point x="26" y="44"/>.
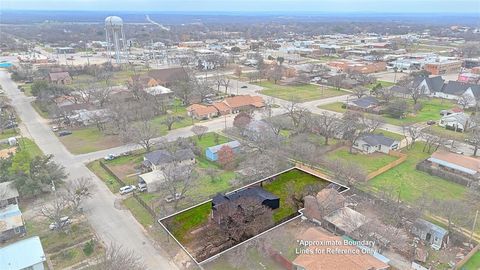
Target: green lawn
<point x="443" y="132"/>
<point x="389" y="134"/>
<point x="412" y="183"/>
<point x="383" y="83"/>
<point x="209" y="139"/>
<point x="375" y="160"/>
<point x="430" y="111"/>
<point x="282" y="187"/>
<point x="473" y="263"/>
<point x="41" y="110"/>
<point x="111" y="183"/>
<point x="8" y="133"/>
<point x="139" y="212"/>
<point x="30" y="146"/>
<point x="89" y="139"/>
<point x="300" y="93"/>
<point x="179" y="225"/>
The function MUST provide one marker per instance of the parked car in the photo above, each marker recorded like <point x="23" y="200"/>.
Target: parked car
<point x="64" y="133"/>
<point x="110" y="157"/>
<point x="10" y="124"/>
<point x="142" y="188"/>
<point x="62" y="223"/>
<point x="170" y="198"/>
<point x="244" y="86"/>
<point x="431" y="122"/>
<point x="55" y="128"/>
<point x="127" y="189"/>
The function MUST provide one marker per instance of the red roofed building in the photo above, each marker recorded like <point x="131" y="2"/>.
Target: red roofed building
<point x="229" y="105"/>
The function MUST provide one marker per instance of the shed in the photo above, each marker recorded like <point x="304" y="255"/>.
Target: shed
<point x="211" y="152"/>
<point x="344" y="221"/>
<point x="153" y="180"/>
<point x="433" y="234"/>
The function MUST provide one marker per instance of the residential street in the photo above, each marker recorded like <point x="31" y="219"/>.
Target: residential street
<point x="110" y="224"/>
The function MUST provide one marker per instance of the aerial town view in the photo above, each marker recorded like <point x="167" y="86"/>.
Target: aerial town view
<point x="239" y="135"/>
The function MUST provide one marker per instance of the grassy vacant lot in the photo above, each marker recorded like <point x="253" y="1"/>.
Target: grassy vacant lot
<point x="446" y="133"/>
<point x="139" y="212"/>
<point x="410" y="184"/>
<point x="383" y="83"/>
<point x="293" y="181"/>
<point x="369" y="163"/>
<point x="179" y="225"/>
<point x="473" y="263"/>
<point x="88" y="140"/>
<point x="430" y="111"/>
<point x="30" y="146"/>
<point x="300" y="93"/>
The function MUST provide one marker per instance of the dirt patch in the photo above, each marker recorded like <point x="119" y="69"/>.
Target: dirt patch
<point x="123" y="171"/>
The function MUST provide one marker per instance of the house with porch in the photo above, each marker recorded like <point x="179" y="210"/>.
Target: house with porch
<point x="372" y="143"/>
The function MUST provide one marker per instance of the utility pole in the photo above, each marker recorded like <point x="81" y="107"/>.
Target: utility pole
<point x="474" y="225"/>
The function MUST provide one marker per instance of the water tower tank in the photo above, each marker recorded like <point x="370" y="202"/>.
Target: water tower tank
<point x="113" y="22"/>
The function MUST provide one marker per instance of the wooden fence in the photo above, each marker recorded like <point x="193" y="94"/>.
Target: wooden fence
<point x="468" y="257"/>
<point x="401" y="158"/>
<point x="121" y="182"/>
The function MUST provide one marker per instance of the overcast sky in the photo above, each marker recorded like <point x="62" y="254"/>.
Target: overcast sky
<point x="383" y="6"/>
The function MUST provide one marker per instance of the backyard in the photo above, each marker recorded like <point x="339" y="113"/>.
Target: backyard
<point x="375" y="160"/>
<point x="299" y="93"/>
<point x="409" y="184"/>
<point x="430" y="111"/>
<point x="473" y="263"/>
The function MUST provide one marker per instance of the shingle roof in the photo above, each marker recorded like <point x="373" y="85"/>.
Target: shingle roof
<point x="246" y="100"/>
<point x="435" y="84"/>
<point x="377" y="139"/>
<point x="22" y="254"/>
<point x="366" y="102"/>
<point x="168" y="75"/>
<point x="8" y="190"/>
<point x="458" y="88"/>
<point x="252" y="192"/>
<point x="162" y="157"/>
<point x="201" y="110"/>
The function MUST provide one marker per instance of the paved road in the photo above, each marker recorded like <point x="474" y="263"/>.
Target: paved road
<point x="109" y="223"/>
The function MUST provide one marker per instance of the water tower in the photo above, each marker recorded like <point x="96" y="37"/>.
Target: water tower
<point x="116" y="37"/>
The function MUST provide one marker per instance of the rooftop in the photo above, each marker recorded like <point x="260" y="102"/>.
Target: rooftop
<point x="216" y="148"/>
<point x="10" y="217"/>
<point x="22" y="254"/>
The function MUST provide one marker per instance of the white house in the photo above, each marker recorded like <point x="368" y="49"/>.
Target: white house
<point x="157" y="160"/>
<point x="455" y="121"/>
<point x="375" y="143"/>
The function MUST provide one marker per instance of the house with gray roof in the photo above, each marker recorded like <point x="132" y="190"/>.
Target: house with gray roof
<point x="159" y="159"/>
<point x="430" y="84"/>
<point x="432" y="234"/>
<point x="371" y="143"/>
<point x="455" y="90"/>
<point x="366" y="103"/>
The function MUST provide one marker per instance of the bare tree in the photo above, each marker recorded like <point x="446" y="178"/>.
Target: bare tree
<point x="411" y="133"/>
<point x="225" y="83"/>
<point x="141" y="133"/>
<point x="55" y="210"/>
<point x="118" y="258"/>
<point x="76" y="191"/>
<point x="170" y="120"/>
<point x="474" y="138"/>
<point x="348" y="173"/>
<point x="360" y="91"/>
<point x="178" y="178"/>
<point x="199" y="131"/>
<point x="356" y="125"/>
<point x="464" y="101"/>
<point x="326" y="125"/>
<point x="296" y="112"/>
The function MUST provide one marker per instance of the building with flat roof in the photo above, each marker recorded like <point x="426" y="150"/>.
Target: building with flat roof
<point x="443" y="67"/>
<point x="11" y="222"/>
<point x="25" y="254"/>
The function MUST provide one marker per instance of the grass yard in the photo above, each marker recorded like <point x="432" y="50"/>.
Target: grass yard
<point x="111" y="183"/>
<point x="300" y="93"/>
<point x="30" y="146"/>
<point x="446" y="133"/>
<point x="179" y="225"/>
<point x="410" y="184"/>
<point x="430" y="111"/>
<point x="139" y="212"/>
<point x="383" y="83"/>
<point x="8" y="133"/>
<point x="293" y="181"/>
<point x="88" y="140"/>
<point x="389" y="134"/>
<point x="375" y="160"/>
<point x="209" y="139"/>
<point x="41" y="110"/>
<point x="473" y="263"/>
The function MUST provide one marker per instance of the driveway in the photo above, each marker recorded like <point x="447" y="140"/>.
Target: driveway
<point x="110" y="224"/>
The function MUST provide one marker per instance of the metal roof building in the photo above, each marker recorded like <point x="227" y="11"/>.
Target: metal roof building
<point x="24" y="254"/>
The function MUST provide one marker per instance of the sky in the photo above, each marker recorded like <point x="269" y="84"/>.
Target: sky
<point x="310" y="6"/>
